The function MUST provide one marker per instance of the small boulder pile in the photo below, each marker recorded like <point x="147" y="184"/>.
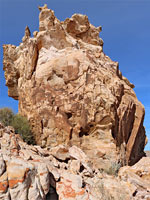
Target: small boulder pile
<point x="31" y="172"/>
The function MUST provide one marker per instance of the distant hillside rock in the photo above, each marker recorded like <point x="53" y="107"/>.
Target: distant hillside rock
<point x="71" y="92"/>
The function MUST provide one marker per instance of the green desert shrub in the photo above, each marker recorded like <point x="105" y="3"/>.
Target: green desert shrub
<point x="20" y="124"/>
<point x="22" y="127"/>
<point x="6" y="116"/>
<point x="114" y="168"/>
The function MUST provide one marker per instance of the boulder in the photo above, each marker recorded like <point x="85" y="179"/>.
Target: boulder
<point x="70" y="91"/>
<point x="139" y="176"/>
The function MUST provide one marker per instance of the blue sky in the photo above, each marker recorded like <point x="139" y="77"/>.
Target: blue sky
<point x="126" y="35"/>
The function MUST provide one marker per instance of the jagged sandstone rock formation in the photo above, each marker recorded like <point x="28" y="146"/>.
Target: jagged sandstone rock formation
<point x="30" y="172"/>
<point x="71" y="92"/>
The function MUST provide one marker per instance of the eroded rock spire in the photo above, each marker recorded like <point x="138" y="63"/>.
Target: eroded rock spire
<point x="71" y="92"/>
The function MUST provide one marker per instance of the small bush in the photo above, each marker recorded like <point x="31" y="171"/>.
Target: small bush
<point x="22" y="127"/>
<point x="6" y="116"/>
<point x="113" y="170"/>
<point x="20" y="124"/>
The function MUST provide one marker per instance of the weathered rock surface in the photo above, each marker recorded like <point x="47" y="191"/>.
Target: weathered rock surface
<point x="67" y="173"/>
<point x="71" y="92"/>
<point x="139" y="175"/>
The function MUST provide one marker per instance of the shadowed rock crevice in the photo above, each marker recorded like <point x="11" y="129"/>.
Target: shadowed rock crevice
<point x="35" y="60"/>
<point x="52" y="194"/>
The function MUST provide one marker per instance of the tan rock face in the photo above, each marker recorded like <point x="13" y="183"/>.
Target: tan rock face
<point x="68" y="88"/>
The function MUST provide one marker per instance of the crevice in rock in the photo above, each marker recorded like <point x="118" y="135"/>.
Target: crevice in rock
<point x="42" y="125"/>
<point x="59" y="75"/>
<point x="115" y="127"/>
<point x="35" y="61"/>
<point x="57" y="110"/>
<point x="131" y="122"/>
<point x="83" y="132"/>
<point x="60" y="160"/>
<point x="52" y="194"/>
<point x="17" y="75"/>
<point x="81" y="168"/>
<point x="86" y="130"/>
<point x="83" y="184"/>
<point x="69" y="115"/>
<point x="70" y="136"/>
<point x="134" y="194"/>
<point x="118" y="73"/>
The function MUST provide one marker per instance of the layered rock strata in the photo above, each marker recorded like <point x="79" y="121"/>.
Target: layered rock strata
<point x="68" y="88"/>
<point x="67" y="173"/>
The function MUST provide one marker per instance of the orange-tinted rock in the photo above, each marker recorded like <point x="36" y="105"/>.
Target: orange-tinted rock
<point x="70" y="187"/>
<point x="3" y="183"/>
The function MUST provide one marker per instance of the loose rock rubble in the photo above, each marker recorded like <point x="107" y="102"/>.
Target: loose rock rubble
<point x="30" y="172"/>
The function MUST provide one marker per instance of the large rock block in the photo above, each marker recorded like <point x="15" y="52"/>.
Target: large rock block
<point x="68" y="88"/>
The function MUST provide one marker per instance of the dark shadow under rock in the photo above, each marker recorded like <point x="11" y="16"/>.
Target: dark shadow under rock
<point x="52" y="194"/>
